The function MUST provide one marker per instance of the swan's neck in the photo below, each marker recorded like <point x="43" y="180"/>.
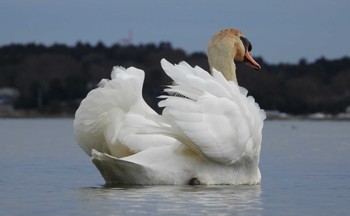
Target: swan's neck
<point x="223" y="62"/>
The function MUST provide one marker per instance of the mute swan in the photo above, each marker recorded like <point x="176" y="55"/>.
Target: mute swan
<point x="210" y="131"/>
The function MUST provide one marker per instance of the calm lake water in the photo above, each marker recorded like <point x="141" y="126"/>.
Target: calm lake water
<point x="305" y="167"/>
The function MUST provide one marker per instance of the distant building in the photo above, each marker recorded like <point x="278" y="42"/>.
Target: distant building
<point x="8" y="97"/>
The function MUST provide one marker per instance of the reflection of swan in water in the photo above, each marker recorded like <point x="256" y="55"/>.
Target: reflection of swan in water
<point x="209" y="131"/>
<point x="184" y="200"/>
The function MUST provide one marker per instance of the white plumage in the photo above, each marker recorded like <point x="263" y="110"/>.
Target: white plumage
<point x="215" y="118"/>
<point x="107" y="117"/>
<point x="210" y="130"/>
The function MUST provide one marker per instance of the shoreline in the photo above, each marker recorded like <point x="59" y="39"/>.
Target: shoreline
<point x="270" y="115"/>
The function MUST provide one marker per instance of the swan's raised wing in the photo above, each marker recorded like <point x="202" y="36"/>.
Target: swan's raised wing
<point x="102" y="113"/>
<point x="212" y="116"/>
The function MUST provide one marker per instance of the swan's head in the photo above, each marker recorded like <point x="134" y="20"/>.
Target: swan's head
<point x="230" y="45"/>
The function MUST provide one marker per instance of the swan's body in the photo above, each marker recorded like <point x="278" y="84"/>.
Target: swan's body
<point x="209" y="131"/>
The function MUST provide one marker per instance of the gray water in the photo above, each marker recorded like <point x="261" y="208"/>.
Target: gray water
<point x="304" y="164"/>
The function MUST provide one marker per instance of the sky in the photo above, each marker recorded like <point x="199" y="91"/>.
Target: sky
<point x="280" y="30"/>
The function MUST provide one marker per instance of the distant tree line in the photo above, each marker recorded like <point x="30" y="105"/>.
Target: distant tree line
<point x="54" y="79"/>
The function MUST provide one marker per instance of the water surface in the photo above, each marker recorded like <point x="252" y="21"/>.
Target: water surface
<point x="304" y="164"/>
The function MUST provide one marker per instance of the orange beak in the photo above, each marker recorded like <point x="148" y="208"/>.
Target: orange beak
<point x="248" y="60"/>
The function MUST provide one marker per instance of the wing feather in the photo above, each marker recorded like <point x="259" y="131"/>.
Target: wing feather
<point x="102" y="114"/>
<point x="215" y="117"/>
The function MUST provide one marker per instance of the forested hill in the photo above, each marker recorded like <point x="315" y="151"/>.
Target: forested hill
<point x="54" y="79"/>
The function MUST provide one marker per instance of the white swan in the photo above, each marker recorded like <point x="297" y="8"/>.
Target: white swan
<point x="209" y="131"/>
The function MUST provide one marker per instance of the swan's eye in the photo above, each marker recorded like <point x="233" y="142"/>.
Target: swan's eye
<point x="246" y="43"/>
